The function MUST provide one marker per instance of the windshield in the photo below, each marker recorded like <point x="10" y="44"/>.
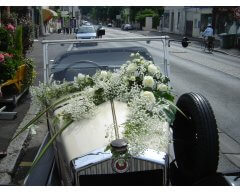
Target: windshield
<point x="86" y="30"/>
<point x="85" y="57"/>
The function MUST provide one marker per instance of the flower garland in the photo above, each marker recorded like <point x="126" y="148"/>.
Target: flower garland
<point x="138" y="82"/>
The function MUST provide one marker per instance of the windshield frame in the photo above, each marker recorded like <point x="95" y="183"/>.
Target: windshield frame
<point x="163" y="39"/>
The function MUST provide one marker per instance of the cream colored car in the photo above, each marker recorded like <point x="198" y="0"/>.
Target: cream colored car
<point x="94" y="150"/>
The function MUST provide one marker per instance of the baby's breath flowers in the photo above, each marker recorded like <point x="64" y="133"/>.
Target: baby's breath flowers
<point x="138" y="82"/>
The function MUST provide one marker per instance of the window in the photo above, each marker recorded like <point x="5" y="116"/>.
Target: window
<point x="166" y="20"/>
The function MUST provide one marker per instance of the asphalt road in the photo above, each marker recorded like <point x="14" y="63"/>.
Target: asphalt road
<point x="216" y="76"/>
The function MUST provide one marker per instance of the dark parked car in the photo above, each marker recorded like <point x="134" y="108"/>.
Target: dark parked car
<point x="127" y="27"/>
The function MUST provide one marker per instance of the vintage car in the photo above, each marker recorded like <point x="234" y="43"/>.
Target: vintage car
<point x="94" y="150"/>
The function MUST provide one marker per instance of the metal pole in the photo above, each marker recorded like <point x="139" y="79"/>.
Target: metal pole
<point x="45" y="62"/>
<point x="165" y="58"/>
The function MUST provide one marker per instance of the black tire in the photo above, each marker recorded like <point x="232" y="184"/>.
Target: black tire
<point x="195" y="140"/>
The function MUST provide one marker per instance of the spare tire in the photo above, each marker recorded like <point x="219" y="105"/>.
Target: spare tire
<point x="195" y="139"/>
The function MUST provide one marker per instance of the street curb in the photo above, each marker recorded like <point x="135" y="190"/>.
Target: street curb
<point x="14" y="150"/>
<point x="226" y="53"/>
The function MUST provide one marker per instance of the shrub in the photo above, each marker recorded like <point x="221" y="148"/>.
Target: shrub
<point x="141" y="15"/>
<point x="8" y="67"/>
<point x="19" y="40"/>
<point x="6" y="40"/>
<point x="27" y="33"/>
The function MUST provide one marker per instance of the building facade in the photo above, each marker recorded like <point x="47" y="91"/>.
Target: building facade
<point x="173" y="20"/>
<point x="189" y="21"/>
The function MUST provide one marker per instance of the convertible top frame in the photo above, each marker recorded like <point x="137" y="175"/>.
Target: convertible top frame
<point x="163" y="39"/>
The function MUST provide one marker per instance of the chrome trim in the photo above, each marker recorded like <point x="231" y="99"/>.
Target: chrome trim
<point x="100" y="162"/>
<point x="95" y="156"/>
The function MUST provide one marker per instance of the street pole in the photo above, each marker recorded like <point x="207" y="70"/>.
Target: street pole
<point x="71" y="23"/>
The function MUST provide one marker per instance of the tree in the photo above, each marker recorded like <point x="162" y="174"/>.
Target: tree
<point x="86" y="10"/>
<point x="113" y="11"/>
<point x="140" y="13"/>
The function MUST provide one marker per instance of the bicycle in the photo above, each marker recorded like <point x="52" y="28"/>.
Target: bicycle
<point x="209" y="44"/>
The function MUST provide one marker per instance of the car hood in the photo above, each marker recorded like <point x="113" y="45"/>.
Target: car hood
<point x="90" y="134"/>
<point x="87" y="135"/>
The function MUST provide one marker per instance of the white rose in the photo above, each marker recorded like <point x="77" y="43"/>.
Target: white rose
<point x="137" y="54"/>
<point x="132" y="55"/>
<point x="148" y="81"/>
<point x="91" y="91"/>
<point x="103" y="74"/>
<point x="132" y="78"/>
<point x="152" y="69"/>
<point x="138" y="60"/>
<point x="148" y="95"/>
<point x="81" y="76"/>
<point x="162" y="87"/>
<point x="131" y="68"/>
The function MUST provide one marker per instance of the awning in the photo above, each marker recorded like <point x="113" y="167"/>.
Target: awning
<point x="48" y="14"/>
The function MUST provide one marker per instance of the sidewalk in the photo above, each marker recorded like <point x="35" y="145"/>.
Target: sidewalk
<point x="194" y="41"/>
<point x="26" y="111"/>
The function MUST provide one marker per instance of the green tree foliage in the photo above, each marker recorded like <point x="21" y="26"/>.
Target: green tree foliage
<point x="99" y="13"/>
<point x="113" y="11"/>
<point x="86" y="10"/>
<point x="18" y="40"/>
<point x="104" y="14"/>
<point x="140" y="13"/>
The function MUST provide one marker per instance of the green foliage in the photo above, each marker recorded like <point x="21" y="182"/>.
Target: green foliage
<point x="103" y="14"/>
<point x="141" y="15"/>
<point x="6" y="40"/>
<point x="155" y="20"/>
<point x="30" y="73"/>
<point x="27" y="34"/>
<point x="8" y="19"/>
<point x="86" y="10"/>
<point x="8" y="69"/>
<point x="18" y="40"/>
<point x="53" y="138"/>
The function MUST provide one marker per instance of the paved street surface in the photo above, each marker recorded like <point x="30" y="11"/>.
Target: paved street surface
<point x="216" y="76"/>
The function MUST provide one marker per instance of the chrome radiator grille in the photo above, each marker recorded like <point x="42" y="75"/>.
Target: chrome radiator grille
<point x="105" y="167"/>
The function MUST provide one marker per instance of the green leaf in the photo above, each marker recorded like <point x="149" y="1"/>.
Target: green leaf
<point x="41" y="113"/>
<point x="173" y="105"/>
<point x="36" y="160"/>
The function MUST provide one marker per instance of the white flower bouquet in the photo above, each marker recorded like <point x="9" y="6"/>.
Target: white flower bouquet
<point x="138" y="82"/>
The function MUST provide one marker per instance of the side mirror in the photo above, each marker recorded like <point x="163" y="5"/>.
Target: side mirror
<point x="185" y="42"/>
<point x="101" y="32"/>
